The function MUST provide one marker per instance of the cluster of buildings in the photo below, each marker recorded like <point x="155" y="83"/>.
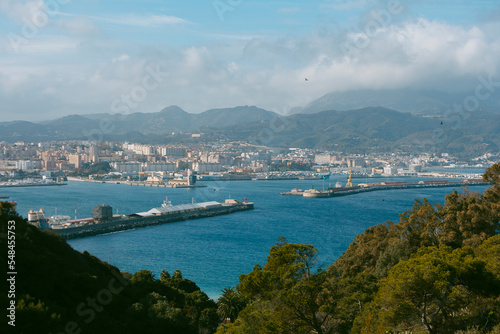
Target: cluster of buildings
<point x="157" y="162"/>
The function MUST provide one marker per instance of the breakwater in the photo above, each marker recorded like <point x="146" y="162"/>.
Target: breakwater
<point x="139" y="183"/>
<point x="128" y="223"/>
<point x="21" y="185"/>
<point x="335" y="192"/>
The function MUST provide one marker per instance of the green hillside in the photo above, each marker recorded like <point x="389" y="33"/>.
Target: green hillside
<point x="437" y="271"/>
<point x="61" y="290"/>
<point x="377" y="129"/>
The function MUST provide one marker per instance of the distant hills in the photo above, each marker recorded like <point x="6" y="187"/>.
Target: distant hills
<point x="175" y="119"/>
<point x="136" y="126"/>
<point x="426" y="102"/>
<point x="378" y="129"/>
<point x="434" y="129"/>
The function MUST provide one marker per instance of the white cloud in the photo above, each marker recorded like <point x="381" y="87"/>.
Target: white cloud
<point x="267" y="72"/>
<point x="43" y="45"/>
<point x="78" y="26"/>
<point x="140" y="20"/>
<point x="21" y="10"/>
<point x="123" y="57"/>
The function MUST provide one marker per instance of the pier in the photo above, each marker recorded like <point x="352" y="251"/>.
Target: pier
<point x="367" y="187"/>
<point x="31" y="184"/>
<point x="139" y="183"/>
<point x="133" y="222"/>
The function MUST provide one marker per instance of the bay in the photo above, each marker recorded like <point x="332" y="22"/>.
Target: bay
<point x="214" y="252"/>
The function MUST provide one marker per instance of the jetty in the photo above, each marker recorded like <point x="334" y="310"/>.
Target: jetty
<point x="367" y="187"/>
<point x="167" y="213"/>
<point x="30" y="184"/>
<point x="141" y="183"/>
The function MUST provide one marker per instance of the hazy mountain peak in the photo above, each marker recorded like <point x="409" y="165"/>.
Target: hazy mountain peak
<point x="403" y="100"/>
<point x="173" y="110"/>
<point x="71" y="119"/>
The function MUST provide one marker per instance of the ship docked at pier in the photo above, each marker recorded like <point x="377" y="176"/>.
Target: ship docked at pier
<point x="103" y="221"/>
<point x="351" y="189"/>
<point x="367" y="187"/>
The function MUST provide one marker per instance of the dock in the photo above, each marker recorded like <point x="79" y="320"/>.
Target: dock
<point x="362" y="188"/>
<point x="139" y="183"/>
<point x="34" y="184"/>
<point x="135" y="221"/>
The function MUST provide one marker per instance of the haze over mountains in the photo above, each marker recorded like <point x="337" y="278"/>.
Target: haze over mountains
<point x="427" y="102"/>
<point x="379" y="129"/>
<point x="348" y="122"/>
<point x="135" y="125"/>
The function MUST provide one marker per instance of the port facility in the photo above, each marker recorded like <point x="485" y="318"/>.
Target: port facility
<point x="366" y="187"/>
<point x="19" y="184"/>
<point x="167" y="213"/>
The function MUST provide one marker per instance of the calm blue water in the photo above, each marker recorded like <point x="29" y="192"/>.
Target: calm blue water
<point x="213" y="252"/>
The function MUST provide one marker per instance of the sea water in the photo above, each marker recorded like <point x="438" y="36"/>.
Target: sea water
<point x="214" y="252"/>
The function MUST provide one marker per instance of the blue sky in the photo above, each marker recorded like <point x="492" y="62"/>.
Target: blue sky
<point x="89" y="56"/>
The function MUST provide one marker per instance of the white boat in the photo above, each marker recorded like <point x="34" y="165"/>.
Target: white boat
<point x="58" y="221"/>
<point x="37" y="218"/>
<point x="315" y="193"/>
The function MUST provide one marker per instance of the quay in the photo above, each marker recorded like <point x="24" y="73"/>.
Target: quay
<point x="31" y="184"/>
<point x="367" y="187"/>
<point x="157" y="216"/>
<point x="139" y="183"/>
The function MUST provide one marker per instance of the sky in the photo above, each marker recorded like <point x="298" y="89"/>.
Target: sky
<point x="64" y="57"/>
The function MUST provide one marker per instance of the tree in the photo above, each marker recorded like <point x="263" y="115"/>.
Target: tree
<point x="286" y="265"/>
<point x="230" y="304"/>
<point x="162" y="317"/>
<point x="308" y="307"/>
<point x="350" y="295"/>
<point x="397" y="250"/>
<point x="492" y="174"/>
<point x="437" y="290"/>
<point x="489" y="252"/>
<point x="177" y="274"/>
<point x="257" y="317"/>
<point x="287" y="285"/>
<point x="492" y="194"/>
<point x="100" y="168"/>
<point x="8" y="212"/>
<point x="468" y="220"/>
<point x="420" y="226"/>
<point x="164" y="275"/>
<point x="143" y="276"/>
<point x="363" y="253"/>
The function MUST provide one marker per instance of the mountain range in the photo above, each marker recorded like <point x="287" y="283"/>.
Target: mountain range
<point x="378" y="129"/>
<point x="135" y="126"/>
<point x="423" y="102"/>
<point x="431" y="126"/>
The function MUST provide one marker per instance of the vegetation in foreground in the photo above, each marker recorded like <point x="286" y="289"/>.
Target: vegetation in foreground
<point x="436" y="271"/>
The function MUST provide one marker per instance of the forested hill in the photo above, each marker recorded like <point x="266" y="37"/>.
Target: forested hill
<point x="374" y="129"/>
<point x="377" y="129"/>
<point x="436" y="271"/>
<point x="59" y="290"/>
